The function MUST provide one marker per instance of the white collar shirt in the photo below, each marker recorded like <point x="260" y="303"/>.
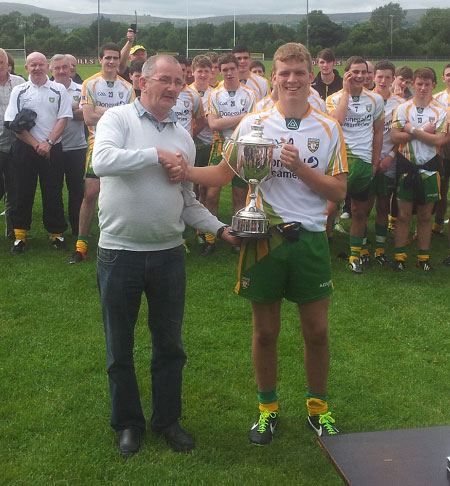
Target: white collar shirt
<point x="51" y="102"/>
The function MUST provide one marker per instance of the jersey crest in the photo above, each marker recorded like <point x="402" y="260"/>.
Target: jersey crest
<point x="313" y="144"/>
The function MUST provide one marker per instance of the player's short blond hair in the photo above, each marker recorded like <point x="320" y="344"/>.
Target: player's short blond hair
<point x="293" y="50"/>
<point x="201" y="61"/>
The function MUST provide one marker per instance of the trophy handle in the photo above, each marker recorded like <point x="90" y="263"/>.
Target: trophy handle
<point x="225" y="145"/>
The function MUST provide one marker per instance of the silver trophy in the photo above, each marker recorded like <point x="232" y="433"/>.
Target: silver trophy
<point x="253" y="163"/>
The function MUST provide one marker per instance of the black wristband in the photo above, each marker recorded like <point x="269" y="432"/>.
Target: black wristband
<point x="221" y="230"/>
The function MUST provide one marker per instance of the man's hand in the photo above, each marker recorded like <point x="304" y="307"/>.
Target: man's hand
<point x="43" y="149"/>
<point x="233" y="240"/>
<point x="429" y="127"/>
<point x="398" y="89"/>
<point x="290" y="157"/>
<point x="174" y="163"/>
<point x="347" y="81"/>
<point x="131" y="35"/>
<point x="385" y="163"/>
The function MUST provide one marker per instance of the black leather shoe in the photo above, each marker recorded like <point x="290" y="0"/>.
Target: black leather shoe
<point x="177" y="439"/>
<point x="129" y="441"/>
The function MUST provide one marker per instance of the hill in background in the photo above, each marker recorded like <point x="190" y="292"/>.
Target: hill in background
<point x="70" y="20"/>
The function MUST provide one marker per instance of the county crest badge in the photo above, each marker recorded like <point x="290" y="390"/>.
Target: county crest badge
<point x="368" y="108"/>
<point x="186" y="103"/>
<point x="51" y="99"/>
<point x="245" y="283"/>
<point x="313" y="144"/>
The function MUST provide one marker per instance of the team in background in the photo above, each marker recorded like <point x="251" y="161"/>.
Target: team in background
<point x="366" y="138"/>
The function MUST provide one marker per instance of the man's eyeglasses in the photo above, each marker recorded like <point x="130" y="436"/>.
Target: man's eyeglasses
<point x="165" y="81"/>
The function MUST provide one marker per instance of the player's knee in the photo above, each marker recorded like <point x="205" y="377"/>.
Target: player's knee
<point x="265" y="337"/>
<point x="316" y="336"/>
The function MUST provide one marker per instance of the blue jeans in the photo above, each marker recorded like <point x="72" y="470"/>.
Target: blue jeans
<point x="122" y="277"/>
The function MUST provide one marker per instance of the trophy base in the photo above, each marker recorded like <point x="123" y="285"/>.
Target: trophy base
<point x="243" y="234"/>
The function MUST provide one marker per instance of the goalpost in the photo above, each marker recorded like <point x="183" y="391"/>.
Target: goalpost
<point x="257" y="56"/>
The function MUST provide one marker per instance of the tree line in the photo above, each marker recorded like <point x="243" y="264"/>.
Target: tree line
<point x="384" y="35"/>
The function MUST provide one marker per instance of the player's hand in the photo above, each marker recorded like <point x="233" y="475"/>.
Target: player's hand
<point x="233" y="240"/>
<point x="347" y="81"/>
<point x="174" y="163"/>
<point x="177" y="173"/>
<point x="429" y="128"/>
<point x="131" y="35"/>
<point x="290" y="157"/>
<point x="398" y="90"/>
<point x="407" y="127"/>
<point x="385" y="163"/>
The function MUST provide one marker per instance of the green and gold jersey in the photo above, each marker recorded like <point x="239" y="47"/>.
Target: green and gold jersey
<point x="389" y="106"/>
<point x="416" y="151"/>
<point x="444" y="98"/>
<point x="318" y="137"/>
<point x="224" y="103"/>
<point x="205" y="137"/>
<point x="259" y="84"/>
<point x="188" y="108"/>
<point x="363" y="111"/>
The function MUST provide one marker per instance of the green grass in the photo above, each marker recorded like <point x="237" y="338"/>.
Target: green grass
<point x="389" y="336"/>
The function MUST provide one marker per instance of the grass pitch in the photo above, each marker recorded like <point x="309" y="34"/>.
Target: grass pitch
<point x="389" y="336"/>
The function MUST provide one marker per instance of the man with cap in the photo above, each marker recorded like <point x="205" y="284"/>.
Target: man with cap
<point x="130" y="52"/>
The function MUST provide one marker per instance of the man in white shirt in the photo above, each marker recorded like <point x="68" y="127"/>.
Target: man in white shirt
<point x="140" y="249"/>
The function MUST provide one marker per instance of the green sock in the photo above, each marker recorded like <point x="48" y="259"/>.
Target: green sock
<point x="267" y="397"/>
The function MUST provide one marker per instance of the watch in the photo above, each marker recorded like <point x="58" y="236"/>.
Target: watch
<point x="221" y="230"/>
<point x="50" y="142"/>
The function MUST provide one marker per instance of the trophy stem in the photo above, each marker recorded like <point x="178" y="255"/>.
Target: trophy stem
<point x="253" y="183"/>
<point x="251" y="222"/>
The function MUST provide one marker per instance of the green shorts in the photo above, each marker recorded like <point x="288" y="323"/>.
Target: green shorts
<point x="432" y="189"/>
<point x="202" y="154"/>
<point x="358" y="179"/>
<point x="382" y="185"/>
<point x="273" y="269"/>
<point x="215" y="156"/>
<point x="89" y="171"/>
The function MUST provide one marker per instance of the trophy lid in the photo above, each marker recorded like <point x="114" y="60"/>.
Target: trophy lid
<point x="256" y="136"/>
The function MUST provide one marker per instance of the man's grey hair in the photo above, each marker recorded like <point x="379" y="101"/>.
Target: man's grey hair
<point x="58" y="57"/>
<point x="149" y="66"/>
<point x="3" y="53"/>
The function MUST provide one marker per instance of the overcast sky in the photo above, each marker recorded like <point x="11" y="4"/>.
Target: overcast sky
<point x="206" y="8"/>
